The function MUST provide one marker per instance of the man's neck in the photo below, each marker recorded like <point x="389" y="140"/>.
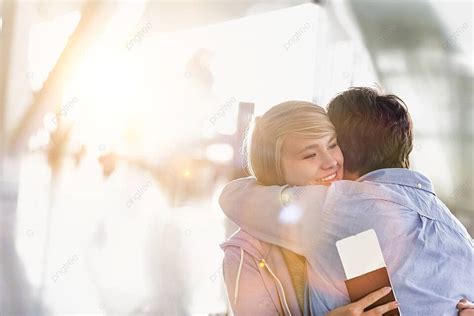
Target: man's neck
<point x="351" y="175"/>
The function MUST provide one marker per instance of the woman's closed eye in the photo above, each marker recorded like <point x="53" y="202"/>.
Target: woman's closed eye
<point x="310" y="156"/>
<point x="333" y="146"/>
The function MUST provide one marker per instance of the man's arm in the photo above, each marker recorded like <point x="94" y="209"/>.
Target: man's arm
<point x="288" y="219"/>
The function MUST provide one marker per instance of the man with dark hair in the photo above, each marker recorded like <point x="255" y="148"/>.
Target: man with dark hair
<point x="374" y="131"/>
<point x="428" y="253"/>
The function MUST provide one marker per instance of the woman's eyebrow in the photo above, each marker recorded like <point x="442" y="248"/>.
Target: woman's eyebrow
<point x="307" y="147"/>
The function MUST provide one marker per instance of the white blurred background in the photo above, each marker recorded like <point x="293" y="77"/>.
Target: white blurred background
<point x="121" y="121"/>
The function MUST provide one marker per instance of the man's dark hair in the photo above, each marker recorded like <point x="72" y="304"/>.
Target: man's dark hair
<point x="374" y="130"/>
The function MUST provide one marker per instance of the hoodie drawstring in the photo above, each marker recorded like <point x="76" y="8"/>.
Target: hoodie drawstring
<point x="236" y="291"/>
<point x="263" y="263"/>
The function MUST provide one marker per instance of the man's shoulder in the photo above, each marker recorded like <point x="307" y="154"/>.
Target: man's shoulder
<point x="375" y="195"/>
<point x="399" y="177"/>
<point x="397" y="185"/>
<point x="387" y="196"/>
<point x="366" y="188"/>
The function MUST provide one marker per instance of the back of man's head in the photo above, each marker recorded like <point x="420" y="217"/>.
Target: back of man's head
<point x="374" y="130"/>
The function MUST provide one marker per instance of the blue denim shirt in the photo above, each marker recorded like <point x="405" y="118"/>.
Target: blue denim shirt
<point x="428" y="252"/>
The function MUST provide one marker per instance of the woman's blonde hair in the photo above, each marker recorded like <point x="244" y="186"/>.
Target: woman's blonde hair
<point x="264" y="140"/>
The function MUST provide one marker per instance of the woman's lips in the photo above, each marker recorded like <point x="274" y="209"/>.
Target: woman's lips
<point x="330" y="177"/>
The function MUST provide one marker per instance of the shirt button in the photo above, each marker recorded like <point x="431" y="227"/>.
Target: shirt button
<point x="418" y="185"/>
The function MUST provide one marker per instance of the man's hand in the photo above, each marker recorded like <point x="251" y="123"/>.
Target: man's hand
<point x="465" y="307"/>
<point x="357" y="308"/>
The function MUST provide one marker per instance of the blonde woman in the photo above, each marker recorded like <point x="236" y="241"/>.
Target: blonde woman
<point x="294" y="143"/>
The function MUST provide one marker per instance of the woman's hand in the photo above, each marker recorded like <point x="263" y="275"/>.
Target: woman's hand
<point x="357" y="308"/>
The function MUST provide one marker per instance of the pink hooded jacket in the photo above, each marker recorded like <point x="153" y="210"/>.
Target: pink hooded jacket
<point x="257" y="278"/>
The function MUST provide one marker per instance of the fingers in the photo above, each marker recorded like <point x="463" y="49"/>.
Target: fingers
<point x="382" y="309"/>
<point x="373" y="297"/>
<point x="464" y="304"/>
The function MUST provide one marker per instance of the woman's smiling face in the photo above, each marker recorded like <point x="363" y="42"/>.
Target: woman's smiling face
<point x="308" y="161"/>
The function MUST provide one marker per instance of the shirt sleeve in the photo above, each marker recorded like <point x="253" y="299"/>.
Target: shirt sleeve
<point x="281" y="215"/>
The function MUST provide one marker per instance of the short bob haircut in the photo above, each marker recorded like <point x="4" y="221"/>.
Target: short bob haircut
<point x="264" y="140"/>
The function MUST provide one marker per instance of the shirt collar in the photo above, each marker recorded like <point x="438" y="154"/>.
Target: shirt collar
<point x="400" y="176"/>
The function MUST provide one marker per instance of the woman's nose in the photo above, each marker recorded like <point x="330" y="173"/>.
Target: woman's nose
<point x="328" y="161"/>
